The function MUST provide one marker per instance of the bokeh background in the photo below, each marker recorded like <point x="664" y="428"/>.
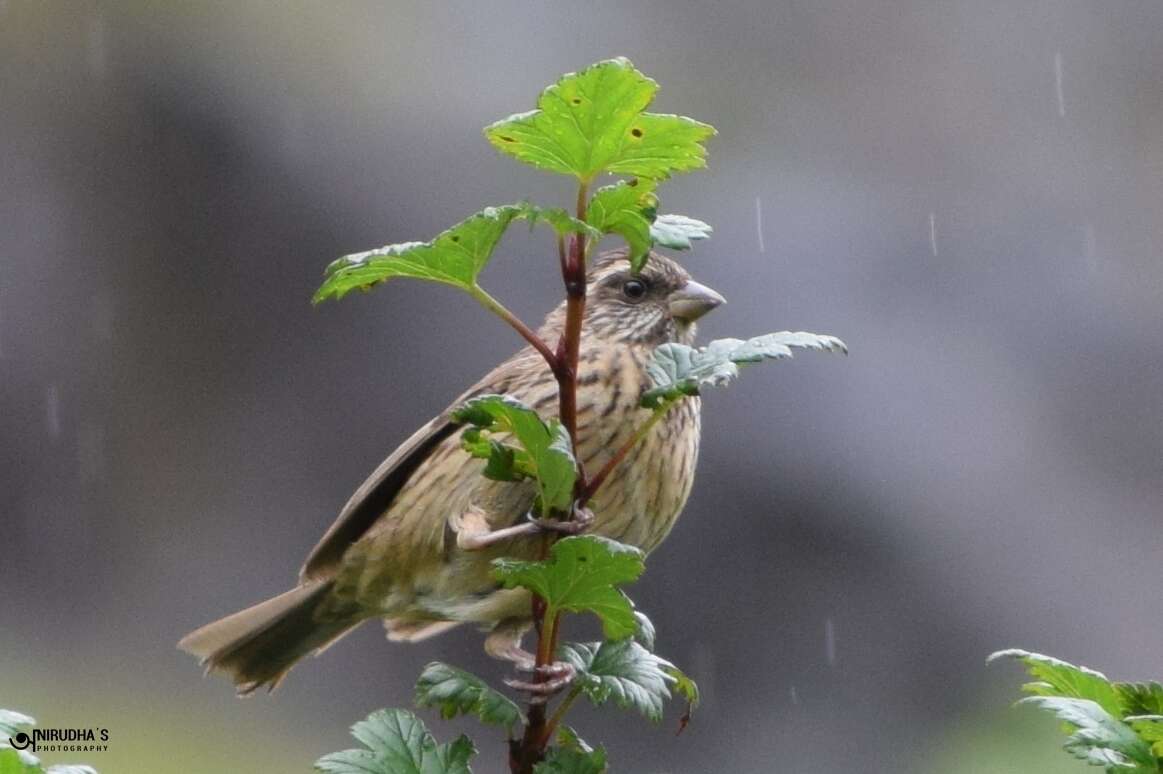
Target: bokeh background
<point x="970" y="193"/>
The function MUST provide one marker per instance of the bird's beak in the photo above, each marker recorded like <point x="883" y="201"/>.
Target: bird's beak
<point x="692" y="301"/>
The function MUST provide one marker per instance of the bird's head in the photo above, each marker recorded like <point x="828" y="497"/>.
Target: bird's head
<point x="657" y="305"/>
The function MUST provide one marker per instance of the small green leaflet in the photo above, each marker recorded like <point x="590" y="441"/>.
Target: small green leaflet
<point x="457" y="692"/>
<point x="627" y="209"/>
<point x="397" y="742"/>
<point x="545" y="451"/>
<point x="678" y="370"/>
<point x="678" y="231"/>
<point x="580" y="576"/>
<point x="628" y="673"/>
<point x="593" y="121"/>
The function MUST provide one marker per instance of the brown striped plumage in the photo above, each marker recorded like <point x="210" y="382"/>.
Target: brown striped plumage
<point x="393" y="553"/>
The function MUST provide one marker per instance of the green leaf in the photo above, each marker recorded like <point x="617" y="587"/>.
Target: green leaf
<point x="558" y="219"/>
<point x="593" y="120"/>
<point x="455" y="257"/>
<point x="627" y="209"/>
<point x="17" y="762"/>
<point x="677" y="370"/>
<point x="397" y="742"/>
<point x="1096" y="737"/>
<point x="1150" y="729"/>
<point x="1054" y="677"/>
<point x="1140" y="698"/>
<point x="580" y="576"/>
<point x="457" y="692"/>
<point x="545" y="453"/>
<point x="559" y="760"/>
<point x="626" y="672"/>
<point x="678" y="231"/>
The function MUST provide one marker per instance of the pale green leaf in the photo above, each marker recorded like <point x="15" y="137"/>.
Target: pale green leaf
<point x="645" y="633"/>
<point x="593" y="121"/>
<point x="545" y="449"/>
<point x="12" y="723"/>
<point x="579" y="576"/>
<point x="678" y="231"/>
<point x="560" y="760"/>
<point x="457" y="692"/>
<point x="677" y="370"/>
<point x="627" y="673"/>
<point x="396" y="742"/>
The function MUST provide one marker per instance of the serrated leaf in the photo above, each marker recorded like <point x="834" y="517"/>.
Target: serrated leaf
<point x="1054" y="677"/>
<point x="1150" y="729"/>
<point x="645" y="632"/>
<point x="545" y="451"/>
<point x="1096" y="737"/>
<point x="397" y="742"/>
<point x="626" y="209"/>
<point x="678" y="231"/>
<point x="457" y="692"/>
<point x="1139" y="698"/>
<point x="579" y="576"/>
<point x="625" y="672"/>
<point x="12" y="723"/>
<point x="677" y="370"/>
<point x="560" y="760"/>
<point x="455" y="257"/>
<point x="593" y="121"/>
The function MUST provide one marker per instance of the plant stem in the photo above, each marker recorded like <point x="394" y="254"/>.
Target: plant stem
<point x="596" y="482"/>
<point x="526" y="753"/>
<point x="559" y="714"/>
<point x="527" y="333"/>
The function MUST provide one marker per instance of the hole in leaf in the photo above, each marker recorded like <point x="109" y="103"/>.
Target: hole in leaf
<point x="455" y="238"/>
<point x="506" y="138"/>
<point x="576" y="100"/>
<point x="632" y="182"/>
<point x="636" y="132"/>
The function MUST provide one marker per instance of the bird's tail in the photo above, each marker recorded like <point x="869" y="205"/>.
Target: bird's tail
<point x="259" y="645"/>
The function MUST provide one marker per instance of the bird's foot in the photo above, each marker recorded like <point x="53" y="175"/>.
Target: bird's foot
<point x="554" y="678"/>
<point x="580" y="520"/>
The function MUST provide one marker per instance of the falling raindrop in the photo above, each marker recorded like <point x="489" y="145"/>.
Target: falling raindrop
<point x="933" y="233"/>
<point x="52" y="408"/>
<point x="703" y="669"/>
<point x="793" y="695"/>
<point x="1058" y="84"/>
<point x="830" y="641"/>
<point x="759" y="222"/>
<point x="1089" y="246"/>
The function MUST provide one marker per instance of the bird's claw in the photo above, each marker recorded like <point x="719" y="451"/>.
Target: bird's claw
<point x="555" y="677"/>
<point x="581" y="518"/>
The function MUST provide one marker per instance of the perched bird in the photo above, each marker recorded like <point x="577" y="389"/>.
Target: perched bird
<point x="400" y="548"/>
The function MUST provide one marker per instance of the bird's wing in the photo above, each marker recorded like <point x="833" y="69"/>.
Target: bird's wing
<point x="373" y="498"/>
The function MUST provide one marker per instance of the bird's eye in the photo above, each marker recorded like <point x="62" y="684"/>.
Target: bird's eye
<point x="634" y="289"/>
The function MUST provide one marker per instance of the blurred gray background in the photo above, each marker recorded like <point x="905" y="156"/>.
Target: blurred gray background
<point x="971" y="194"/>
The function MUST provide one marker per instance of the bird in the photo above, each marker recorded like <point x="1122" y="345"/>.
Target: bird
<point x="402" y="548"/>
